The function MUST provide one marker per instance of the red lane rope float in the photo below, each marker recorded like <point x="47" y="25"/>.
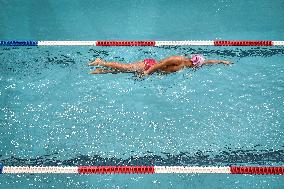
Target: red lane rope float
<point x="125" y="43"/>
<point x="257" y="170"/>
<point x="116" y="169"/>
<point x="243" y="43"/>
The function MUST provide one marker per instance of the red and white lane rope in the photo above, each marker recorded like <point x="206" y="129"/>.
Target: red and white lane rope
<point x="144" y="170"/>
<point x="144" y="43"/>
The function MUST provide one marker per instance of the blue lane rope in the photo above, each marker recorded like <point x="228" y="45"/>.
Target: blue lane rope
<point x="1" y="168"/>
<point x="18" y="43"/>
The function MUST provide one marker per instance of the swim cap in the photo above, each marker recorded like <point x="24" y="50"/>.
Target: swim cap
<point x="197" y="59"/>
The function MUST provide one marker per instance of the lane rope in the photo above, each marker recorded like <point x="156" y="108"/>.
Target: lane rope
<point x="258" y="170"/>
<point x="143" y="43"/>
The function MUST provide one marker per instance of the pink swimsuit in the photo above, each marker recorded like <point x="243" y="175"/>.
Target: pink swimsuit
<point x="149" y="62"/>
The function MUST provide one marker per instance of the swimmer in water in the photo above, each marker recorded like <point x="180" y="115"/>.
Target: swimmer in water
<point x="148" y="66"/>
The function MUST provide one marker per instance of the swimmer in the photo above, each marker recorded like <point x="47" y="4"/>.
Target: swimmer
<point x="148" y="66"/>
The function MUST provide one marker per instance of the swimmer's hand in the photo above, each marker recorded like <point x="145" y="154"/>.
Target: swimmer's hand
<point x="144" y="74"/>
<point x="227" y="62"/>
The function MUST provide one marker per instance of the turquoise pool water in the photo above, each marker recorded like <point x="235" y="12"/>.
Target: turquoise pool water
<point x="53" y="113"/>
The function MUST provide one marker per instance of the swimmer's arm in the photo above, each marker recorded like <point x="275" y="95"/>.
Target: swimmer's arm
<point x="217" y="62"/>
<point x="155" y="68"/>
<point x="172" y="61"/>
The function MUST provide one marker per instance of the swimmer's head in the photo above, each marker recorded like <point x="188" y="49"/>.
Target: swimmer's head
<point x="197" y="60"/>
